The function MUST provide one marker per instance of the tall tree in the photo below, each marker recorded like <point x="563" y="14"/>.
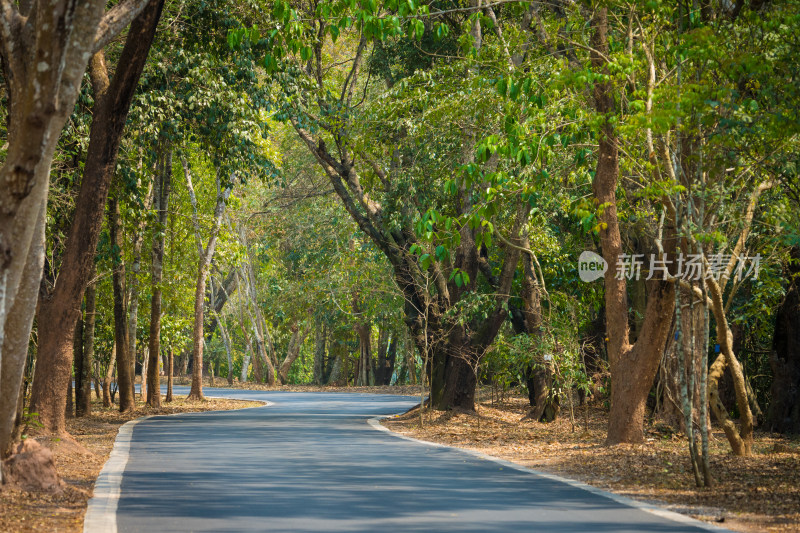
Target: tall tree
<point x="161" y="203"/>
<point x="45" y="50"/>
<point x="205" y="255"/>
<point x="113" y="100"/>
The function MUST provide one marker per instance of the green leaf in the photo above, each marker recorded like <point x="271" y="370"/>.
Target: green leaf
<point x="419" y="29"/>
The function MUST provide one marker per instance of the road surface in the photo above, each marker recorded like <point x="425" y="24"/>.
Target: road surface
<point x="311" y="462"/>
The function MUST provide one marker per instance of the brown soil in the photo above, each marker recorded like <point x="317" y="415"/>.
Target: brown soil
<point x="758" y="493"/>
<point x="79" y="462"/>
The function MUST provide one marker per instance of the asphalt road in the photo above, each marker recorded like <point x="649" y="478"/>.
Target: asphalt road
<point x="311" y="462"/>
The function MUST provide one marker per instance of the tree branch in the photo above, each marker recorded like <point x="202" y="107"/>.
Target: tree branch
<point x="115" y="20"/>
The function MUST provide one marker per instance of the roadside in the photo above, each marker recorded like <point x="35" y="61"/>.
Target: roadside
<point x="79" y="463"/>
<point x="758" y="493"/>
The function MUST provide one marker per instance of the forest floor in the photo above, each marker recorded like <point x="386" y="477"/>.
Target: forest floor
<point x="757" y="493"/>
<point x="79" y="462"/>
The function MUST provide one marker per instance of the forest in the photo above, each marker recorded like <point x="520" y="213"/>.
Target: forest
<point x="582" y="200"/>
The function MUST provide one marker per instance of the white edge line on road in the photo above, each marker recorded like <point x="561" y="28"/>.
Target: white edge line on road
<point x="375" y="423"/>
<point x="101" y="511"/>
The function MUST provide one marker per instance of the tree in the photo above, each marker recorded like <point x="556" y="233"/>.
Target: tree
<point x="66" y="34"/>
<point x="161" y="203"/>
<point x="113" y="99"/>
<point x="205" y="255"/>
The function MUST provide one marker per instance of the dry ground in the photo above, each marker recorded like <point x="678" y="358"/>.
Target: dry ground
<point x="758" y="493"/>
<point x="79" y="463"/>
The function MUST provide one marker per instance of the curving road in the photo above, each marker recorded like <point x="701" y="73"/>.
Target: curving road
<point x="311" y="462"/>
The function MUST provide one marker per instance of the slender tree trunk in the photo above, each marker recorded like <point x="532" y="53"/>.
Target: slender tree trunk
<point x="266" y="350"/>
<point x="112" y="362"/>
<point x="170" y="372"/>
<point x="203" y="266"/>
<point x="320" y="331"/>
<point x="245" y="366"/>
<point x="83" y="375"/>
<point x="143" y="389"/>
<point x="127" y="401"/>
<point x="69" y="410"/>
<point x="227" y="342"/>
<point x="161" y="190"/>
<point x="196" y="391"/>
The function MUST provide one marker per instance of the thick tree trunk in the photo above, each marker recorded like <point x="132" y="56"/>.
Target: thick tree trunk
<point x="784" y="409"/>
<point x="338" y="374"/>
<point x="44" y="54"/>
<point x="127" y="401"/>
<point x="633" y="367"/>
<point x="161" y="190"/>
<point x="60" y="311"/>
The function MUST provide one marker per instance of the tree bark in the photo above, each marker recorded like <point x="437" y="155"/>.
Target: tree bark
<point x="299" y="335"/>
<point x="60" y="311"/>
<point x="320" y="334"/>
<point x="83" y="373"/>
<point x="170" y="371"/>
<point x="112" y="362"/>
<point x="127" y="401"/>
<point x="161" y="190"/>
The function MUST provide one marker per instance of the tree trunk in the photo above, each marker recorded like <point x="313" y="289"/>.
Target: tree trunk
<point x="203" y="265"/>
<point x="266" y="350"/>
<point x="227" y="341"/>
<point x="143" y="373"/>
<point x="320" y="332"/>
<point x="299" y="335"/>
<point x="83" y="373"/>
<point x="633" y="367"/>
<point x="196" y="391"/>
<point x="670" y="409"/>
<point x="58" y="41"/>
<point x="784" y="409"/>
<point x="161" y="190"/>
<point x="127" y="401"/>
<point x="60" y="311"/>
<point x="69" y="410"/>
<point x="365" y="374"/>
<point x="245" y="366"/>
<point x="170" y="362"/>
<point x="338" y="372"/>
<point x="109" y="375"/>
